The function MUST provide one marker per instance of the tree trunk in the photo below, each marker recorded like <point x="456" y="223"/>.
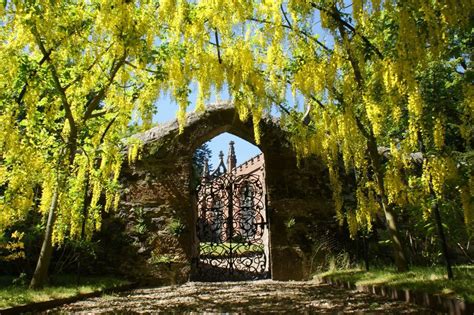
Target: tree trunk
<point x="365" y="245"/>
<point x="398" y="251"/>
<point x="400" y="259"/>
<point x="441" y="235"/>
<point x="437" y="214"/>
<point x="41" y="272"/>
<point x="87" y="200"/>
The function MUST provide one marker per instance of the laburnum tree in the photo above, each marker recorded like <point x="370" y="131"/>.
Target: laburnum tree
<point x="74" y="74"/>
<point x="387" y="88"/>
<point x="362" y="70"/>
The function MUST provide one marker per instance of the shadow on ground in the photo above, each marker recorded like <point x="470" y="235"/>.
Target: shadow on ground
<point x="264" y="296"/>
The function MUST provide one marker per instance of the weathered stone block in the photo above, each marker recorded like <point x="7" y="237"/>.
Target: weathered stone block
<point x="291" y="263"/>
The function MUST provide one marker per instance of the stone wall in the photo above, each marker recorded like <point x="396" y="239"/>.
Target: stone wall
<point x="158" y="207"/>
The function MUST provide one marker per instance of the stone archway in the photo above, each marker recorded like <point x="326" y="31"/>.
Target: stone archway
<point x="156" y="196"/>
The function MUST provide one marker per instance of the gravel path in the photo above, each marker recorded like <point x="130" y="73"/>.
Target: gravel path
<point x="241" y="297"/>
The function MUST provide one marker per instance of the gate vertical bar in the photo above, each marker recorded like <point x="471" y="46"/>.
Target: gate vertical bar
<point x="231" y="223"/>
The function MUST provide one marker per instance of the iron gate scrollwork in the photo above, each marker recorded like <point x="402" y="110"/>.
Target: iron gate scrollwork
<point x="231" y="228"/>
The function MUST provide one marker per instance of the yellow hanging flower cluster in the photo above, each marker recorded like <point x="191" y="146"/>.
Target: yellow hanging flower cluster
<point x="395" y="187"/>
<point x="467" y="191"/>
<point x="415" y="111"/>
<point x="336" y="186"/>
<point x="47" y="189"/>
<point x="367" y="205"/>
<point x="466" y="129"/>
<point x="352" y="223"/>
<point x="15" y="249"/>
<point x="436" y="170"/>
<point x="134" y="148"/>
<point x="376" y="115"/>
<point x="438" y="133"/>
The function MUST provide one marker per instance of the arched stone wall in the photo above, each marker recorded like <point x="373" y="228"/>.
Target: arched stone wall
<point x="157" y="197"/>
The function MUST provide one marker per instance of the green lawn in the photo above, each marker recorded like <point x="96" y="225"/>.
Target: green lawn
<point x="223" y="249"/>
<point x="424" y="279"/>
<point x="61" y="287"/>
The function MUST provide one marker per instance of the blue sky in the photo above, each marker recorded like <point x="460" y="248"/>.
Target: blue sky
<point x="243" y="150"/>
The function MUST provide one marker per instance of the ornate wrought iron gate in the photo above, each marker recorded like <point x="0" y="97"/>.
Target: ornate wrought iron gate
<point x="231" y="228"/>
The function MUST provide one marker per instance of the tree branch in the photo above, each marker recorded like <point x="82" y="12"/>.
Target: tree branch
<point x="57" y="83"/>
<point x="128" y="63"/>
<point x="285" y="16"/>
<point x="338" y="18"/>
<point x="216" y="37"/>
<point x="43" y="59"/>
<point x="354" y="64"/>
<point x="109" y="125"/>
<point x="72" y="138"/>
<point x="359" y="123"/>
<point x="79" y="77"/>
<point x="298" y="32"/>
<point x="98" y="113"/>
<point x="302" y="32"/>
<point x="23" y="90"/>
<point x="320" y="104"/>
<point x="93" y="103"/>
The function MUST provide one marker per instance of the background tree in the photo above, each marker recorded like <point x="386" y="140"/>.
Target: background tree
<point x="201" y="156"/>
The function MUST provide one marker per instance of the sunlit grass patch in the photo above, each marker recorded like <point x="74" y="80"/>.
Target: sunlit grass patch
<point x="425" y="279"/>
<point x="224" y="249"/>
<point x="61" y="287"/>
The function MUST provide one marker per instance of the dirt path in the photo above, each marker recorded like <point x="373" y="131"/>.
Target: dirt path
<point x="242" y="297"/>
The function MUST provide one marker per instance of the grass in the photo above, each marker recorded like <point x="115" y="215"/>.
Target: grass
<point x="423" y="279"/>
<point x="223" y="249"/>
<point x="63" y="286"/>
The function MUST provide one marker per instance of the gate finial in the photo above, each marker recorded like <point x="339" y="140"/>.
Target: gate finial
<point x="231" y="158"/>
